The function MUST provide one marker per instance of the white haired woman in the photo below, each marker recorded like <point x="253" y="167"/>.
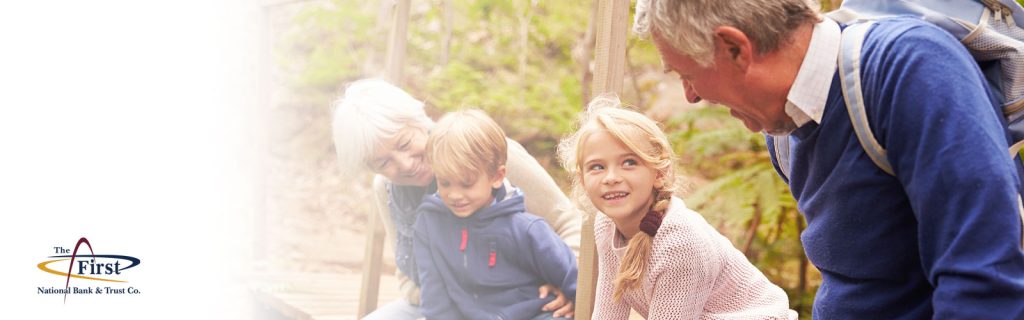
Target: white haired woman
<point x="381" y="128"/>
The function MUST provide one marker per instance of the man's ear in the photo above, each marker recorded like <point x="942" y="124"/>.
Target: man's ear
<point x="734" y="47"/>
<point x="499" y="177"/>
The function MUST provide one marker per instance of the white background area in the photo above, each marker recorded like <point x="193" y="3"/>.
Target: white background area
<point x="126" y="122"/>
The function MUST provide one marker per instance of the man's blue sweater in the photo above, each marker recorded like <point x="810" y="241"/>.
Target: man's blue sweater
<point x="942" y="237"/>
<point x="491" y="264"/>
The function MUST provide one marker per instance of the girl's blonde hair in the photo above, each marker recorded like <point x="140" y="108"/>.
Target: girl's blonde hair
<point x="645" y="139"/>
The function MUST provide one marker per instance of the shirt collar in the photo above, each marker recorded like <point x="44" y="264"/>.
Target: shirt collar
<point x="807" y="96"/>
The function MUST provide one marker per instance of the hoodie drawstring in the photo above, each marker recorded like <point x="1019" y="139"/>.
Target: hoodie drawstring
<point x="462" y="247"/>
<point x="465" y="235"/>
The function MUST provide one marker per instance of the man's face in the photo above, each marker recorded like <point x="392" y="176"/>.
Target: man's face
<point x="725" y="83"/>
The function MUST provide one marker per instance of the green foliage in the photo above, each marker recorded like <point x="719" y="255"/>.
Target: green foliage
<point x="529" y="85"/>
<point x="742" y="189"/>
<point x="533" y="87"/>
<point x="328" y="58"/>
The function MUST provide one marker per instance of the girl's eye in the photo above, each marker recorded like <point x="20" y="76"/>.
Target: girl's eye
<point x="404" y="145"/>
<point x="629" y="163"/>
<point x="443" y="183"/>
<point x="382" y="165"/>
<point x="594" y="167"/>
<point x="467" y="185"/>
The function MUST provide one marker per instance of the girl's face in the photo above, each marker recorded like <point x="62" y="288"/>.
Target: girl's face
<point x="402" y="158"/>
<point x="615" y="179"/>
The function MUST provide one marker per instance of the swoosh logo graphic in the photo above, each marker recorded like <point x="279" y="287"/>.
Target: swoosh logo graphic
<point x="72" y="264"/>
<point x="42" y="266"/>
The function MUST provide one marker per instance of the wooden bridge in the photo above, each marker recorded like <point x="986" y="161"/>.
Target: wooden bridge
<point x="313" y="296"/>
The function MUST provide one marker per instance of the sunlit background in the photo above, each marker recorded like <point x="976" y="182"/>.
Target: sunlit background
<point x="195" y="135"/>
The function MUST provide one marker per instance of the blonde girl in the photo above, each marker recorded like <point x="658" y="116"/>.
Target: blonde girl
<point x="655" y="255"/>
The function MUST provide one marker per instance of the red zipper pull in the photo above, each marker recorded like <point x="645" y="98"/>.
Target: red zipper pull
<point x="494" y="255"/>
<point x="465" y="234"/>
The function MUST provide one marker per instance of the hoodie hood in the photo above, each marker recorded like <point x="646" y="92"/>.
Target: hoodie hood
<point x="507" y="200"/>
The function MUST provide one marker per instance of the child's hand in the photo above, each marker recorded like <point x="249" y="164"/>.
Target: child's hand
<point x="563" y="307"/>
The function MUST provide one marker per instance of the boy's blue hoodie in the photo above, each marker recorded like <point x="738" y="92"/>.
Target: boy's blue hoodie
<point x="491" y="264"/>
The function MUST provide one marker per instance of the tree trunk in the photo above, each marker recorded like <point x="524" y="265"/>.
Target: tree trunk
<point x="801" y="289"/>
<point x="446" y="42"/>
<point x="525" y="15"/>
<point x="586" y="55"/>
<point x="631" y="71"/>
<point x="752" y="230"/>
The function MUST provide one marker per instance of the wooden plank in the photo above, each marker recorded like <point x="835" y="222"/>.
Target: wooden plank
<point x="370" y="284"/>
<point x="587" y="280"/>
<point x="610" y="57"/>
<point x="315" y="295"/>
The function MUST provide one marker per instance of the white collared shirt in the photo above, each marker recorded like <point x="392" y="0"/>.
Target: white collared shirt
<point x="806" y="99"/>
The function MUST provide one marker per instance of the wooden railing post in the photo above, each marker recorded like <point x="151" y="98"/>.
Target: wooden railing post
<point x="610" y="57"/>
<point x="370" y="289"/>
<point x="397" y="39"/>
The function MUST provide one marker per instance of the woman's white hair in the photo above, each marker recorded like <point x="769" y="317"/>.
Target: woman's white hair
<point x="688" y="25"/>
<point x="371" y="110"/>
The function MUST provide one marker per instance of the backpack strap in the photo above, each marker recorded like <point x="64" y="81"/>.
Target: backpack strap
<point x="849" y="76"/>
<point x="779" y="147"/>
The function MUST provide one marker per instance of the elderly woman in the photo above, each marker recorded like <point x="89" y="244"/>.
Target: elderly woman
<point x="380" y="127"/>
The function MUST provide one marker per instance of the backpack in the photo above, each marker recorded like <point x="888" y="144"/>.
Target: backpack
<point x="987" y="28"/>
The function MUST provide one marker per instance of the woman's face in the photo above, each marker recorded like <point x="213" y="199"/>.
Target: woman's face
<point x="402" y="158"/>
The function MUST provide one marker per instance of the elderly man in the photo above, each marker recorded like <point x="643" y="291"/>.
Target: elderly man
<point x="940" y="236"/>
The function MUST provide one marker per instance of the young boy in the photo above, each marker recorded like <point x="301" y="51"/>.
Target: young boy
<point x="479" y="255"/>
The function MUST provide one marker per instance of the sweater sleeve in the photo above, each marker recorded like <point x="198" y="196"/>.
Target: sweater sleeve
<point x="605" y="306"/>
<point x="408" y="288"/>
<point x="544" y="198"/>
<point x="684" y="267"/>
<point x="435" y="303"/>
<point x="948" y="150"/>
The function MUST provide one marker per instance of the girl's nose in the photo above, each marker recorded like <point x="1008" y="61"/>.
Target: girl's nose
<point x="611" y="177"/>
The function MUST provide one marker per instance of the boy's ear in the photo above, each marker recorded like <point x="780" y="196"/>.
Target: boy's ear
<point x="499" y="177"/>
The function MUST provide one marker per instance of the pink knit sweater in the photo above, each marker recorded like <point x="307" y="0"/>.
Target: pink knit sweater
<point x="693" y="273"/>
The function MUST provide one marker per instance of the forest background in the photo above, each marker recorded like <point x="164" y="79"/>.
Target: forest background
<point x="529" y="65"/>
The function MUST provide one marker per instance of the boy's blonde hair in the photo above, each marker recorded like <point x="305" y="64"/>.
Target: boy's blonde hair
<point x="645" y="139"/>
<point x="466" y="143"/>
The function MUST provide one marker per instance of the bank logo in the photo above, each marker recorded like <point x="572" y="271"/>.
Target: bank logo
<point x="96" y="268"/>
